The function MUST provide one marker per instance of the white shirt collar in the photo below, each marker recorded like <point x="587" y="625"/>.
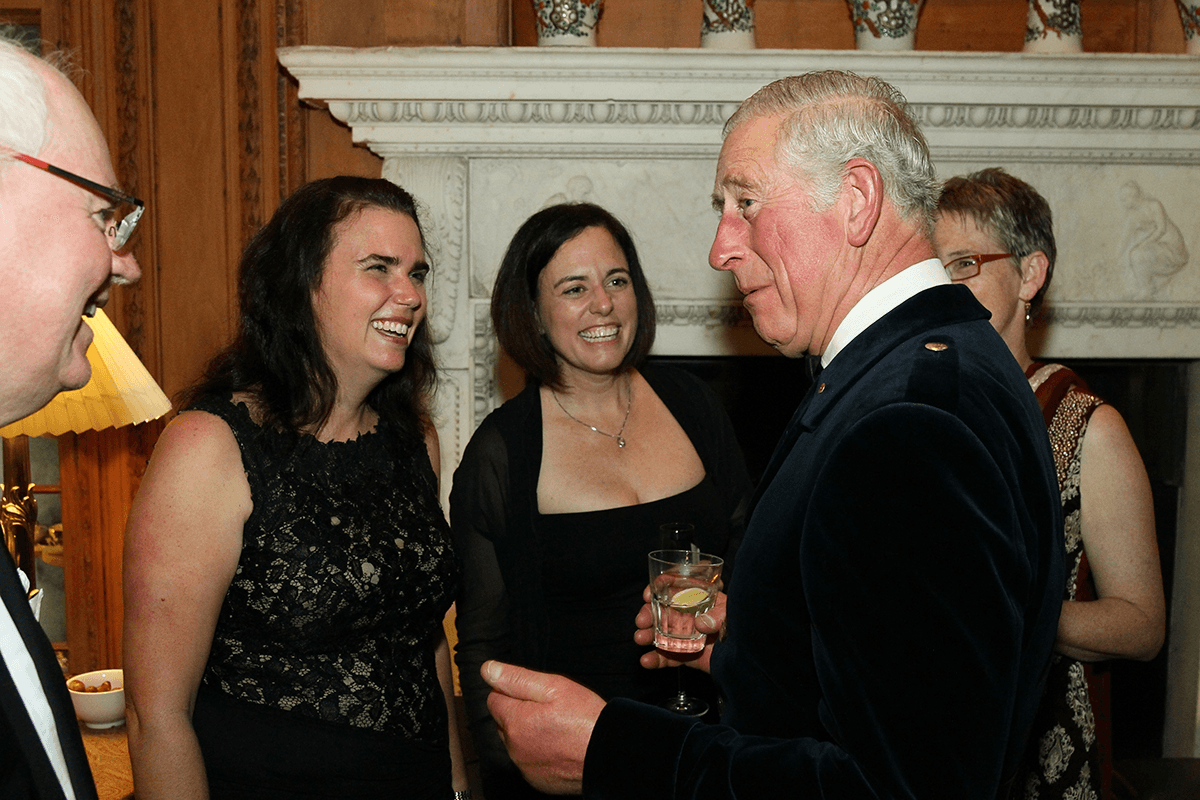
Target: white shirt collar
<point x="882" y="299"/>
<point x="24" y="674"/>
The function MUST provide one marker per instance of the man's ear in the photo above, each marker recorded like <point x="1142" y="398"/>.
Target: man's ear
<point x="1033" y="274"/>
<point x="864" y="188"/>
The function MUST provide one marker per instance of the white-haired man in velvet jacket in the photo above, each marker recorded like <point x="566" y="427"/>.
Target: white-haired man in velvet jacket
<point x="887" y="630"/>
<point x="63" y="230"/>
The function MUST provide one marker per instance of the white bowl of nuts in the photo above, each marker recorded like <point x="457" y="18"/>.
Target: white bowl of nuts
<point x="99" y="697"/>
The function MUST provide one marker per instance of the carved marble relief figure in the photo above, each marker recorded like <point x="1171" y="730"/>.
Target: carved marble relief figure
<point x="1152" y="248"/>
<point x="579" y="190"/>
<point x="1125" y="244"/>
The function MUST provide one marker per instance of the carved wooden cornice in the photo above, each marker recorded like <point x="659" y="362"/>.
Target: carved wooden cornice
<point x="129" y="72"/>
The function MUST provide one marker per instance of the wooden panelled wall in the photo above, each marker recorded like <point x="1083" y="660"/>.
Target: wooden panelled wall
<point x="207" y="129"/>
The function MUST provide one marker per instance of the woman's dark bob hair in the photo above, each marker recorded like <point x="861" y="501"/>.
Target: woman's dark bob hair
<point x="514" y="300"/>
<point x="276" y="355"/>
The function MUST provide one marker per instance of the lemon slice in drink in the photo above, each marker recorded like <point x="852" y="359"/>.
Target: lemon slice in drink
<point x="689" y="597"/>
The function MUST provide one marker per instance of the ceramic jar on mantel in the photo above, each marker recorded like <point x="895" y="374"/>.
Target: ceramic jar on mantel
<point x="1189" y="15"/>
<point x="885" y="24"/>
<point x="570" y="23"/>
<point x="728" y="25"/>
<point x="1052" y="26"/>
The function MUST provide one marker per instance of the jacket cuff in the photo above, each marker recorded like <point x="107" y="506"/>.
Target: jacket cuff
<point x="634" y="745"/>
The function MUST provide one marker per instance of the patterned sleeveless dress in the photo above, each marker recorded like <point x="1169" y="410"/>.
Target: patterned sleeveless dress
<point x="1063" y="760"/>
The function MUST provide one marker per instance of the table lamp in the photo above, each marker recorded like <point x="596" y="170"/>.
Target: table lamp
<point x="120" y="392"/>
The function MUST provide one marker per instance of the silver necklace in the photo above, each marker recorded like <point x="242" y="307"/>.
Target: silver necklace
<point x="618" y="435"/>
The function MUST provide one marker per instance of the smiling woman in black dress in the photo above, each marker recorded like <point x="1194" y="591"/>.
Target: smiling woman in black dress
<point x="561" y="492"/>
<point x="287" y="564"/>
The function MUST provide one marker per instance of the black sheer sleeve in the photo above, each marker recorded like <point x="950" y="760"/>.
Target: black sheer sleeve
<point x="477" y="517"/>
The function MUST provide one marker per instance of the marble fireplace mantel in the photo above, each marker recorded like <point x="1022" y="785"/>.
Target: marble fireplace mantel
<point x="486" y="136"/>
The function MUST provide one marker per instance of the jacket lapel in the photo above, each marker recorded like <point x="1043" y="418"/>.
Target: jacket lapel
<point x="782" y="449"/>
<point x="54" y="686"/>
<point x="928" y="309"/>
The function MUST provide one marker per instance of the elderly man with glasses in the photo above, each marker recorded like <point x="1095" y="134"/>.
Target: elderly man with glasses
<point x="63" y="238"/>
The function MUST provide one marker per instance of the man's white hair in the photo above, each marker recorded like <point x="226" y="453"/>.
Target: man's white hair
<point x="829" y="118"/>
<point x="23" y="109"/>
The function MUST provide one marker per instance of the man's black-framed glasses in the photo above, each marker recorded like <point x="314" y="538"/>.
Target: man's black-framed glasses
<point x="968" y="266"/>
<point x="117" y="230"/>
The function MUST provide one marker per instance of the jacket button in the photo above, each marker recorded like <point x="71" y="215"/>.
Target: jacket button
<point x="936" y="347"/>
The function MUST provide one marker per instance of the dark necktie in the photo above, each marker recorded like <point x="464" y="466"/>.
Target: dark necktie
<point x="814" y="367"/>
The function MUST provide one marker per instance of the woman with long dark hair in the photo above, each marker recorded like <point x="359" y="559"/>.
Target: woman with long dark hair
<point x="287" y="564"/>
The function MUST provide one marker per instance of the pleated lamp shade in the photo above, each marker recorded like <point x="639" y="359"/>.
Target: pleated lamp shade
<point x="120" y="392"/>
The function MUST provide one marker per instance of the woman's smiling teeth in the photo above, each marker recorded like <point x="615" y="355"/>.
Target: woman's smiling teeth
<point x="604" y="333"/>
<point x="393" y="328"/>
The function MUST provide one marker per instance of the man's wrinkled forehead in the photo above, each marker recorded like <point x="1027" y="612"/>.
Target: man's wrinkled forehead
<point x="74" y="140"/>
<point x="748" y="152"/>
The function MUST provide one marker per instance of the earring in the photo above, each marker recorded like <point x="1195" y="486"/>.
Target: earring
<point x="1027" y="313"/>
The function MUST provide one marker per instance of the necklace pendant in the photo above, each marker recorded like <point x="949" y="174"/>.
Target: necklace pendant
<point x="620" y="441"/>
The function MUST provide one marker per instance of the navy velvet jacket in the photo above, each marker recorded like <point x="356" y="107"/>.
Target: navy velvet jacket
<point x="899" y="587"/>
<point x="25" y="769"/>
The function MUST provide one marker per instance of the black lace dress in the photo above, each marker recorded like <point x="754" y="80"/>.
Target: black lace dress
<point x="321" y="681"/>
